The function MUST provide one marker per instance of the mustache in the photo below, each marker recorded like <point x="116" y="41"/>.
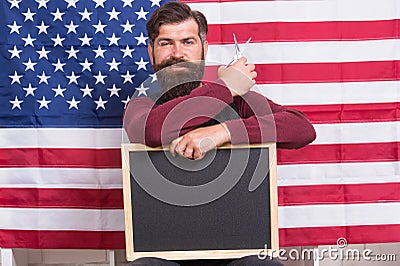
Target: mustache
<point x="173" y="61"/>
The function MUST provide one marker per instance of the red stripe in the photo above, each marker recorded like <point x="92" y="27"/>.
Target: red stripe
<point x="341" y="153"/>
<point x="304" y="31"/>
<point x="347" y="113"/>
<point x="313" y="236"/>
<point x="322" y="72"/>
<point x="62" y="239"/>
<point x="338" y="194"/>
<point x="61" y="198"/>
<point x="54" y="157"/>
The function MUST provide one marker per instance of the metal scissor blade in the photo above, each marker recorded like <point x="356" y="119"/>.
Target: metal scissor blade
<point x="237" y="50"/>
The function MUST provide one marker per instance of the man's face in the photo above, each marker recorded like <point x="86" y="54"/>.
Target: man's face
<point x="178" y="58"/>
<point x="178" y="41"/>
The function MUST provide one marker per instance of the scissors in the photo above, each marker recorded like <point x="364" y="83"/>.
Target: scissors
<point x="238" y="52"/>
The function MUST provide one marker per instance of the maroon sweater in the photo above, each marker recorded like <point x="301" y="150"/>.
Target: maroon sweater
<point x="260" y="119"/>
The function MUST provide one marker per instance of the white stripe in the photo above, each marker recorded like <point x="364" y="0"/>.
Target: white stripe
<point x="339" y="215"/>
<point x="331" y="93"/>
<point x="61" y="219"/>
<point x="61" y="137"/>
<point x="345" y="133"/>
<point x="60" y="178"/>
<point x="293" y="11"/>
<point x="338" y="173"/>
<point x="308" y="52"/>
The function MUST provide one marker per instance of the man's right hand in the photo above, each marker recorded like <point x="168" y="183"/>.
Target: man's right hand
<point x="239" y="77"/>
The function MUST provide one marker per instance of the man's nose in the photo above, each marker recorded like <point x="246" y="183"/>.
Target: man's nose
<point x="177" y="51"/>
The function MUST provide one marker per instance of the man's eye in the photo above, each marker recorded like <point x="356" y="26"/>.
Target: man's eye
<point x="165" y="43"/>
<point x="189" y="42"/>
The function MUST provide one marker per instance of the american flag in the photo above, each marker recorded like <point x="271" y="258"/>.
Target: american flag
<point x="69" y="67"/>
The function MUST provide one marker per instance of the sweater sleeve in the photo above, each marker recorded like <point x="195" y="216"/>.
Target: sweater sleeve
<point x="262" y="120"/>
<point x="154" y="125"/>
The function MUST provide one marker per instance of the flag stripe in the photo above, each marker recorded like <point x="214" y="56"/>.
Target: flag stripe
<point x="297" y="11"/>
<point x="332" y="153"/>
<point x="360" y="234"/>
<point x="62" y="219"/>
<point x="61" y="198"/>
<point x="342" y="194"/>
<point x="76" y="158"/>
<point x="338" y="173"/>
<point x="304" y="31"/>
<point x="338" y="214"/>
<point x="62" y="239"/>
<point x="332" y="93"/>
<point x="313" y="52"/>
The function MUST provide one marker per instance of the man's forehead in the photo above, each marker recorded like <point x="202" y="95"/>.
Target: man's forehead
<point x="188" y="27"/>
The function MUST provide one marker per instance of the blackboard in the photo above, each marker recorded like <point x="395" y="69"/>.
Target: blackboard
<point x="223" y="206"/>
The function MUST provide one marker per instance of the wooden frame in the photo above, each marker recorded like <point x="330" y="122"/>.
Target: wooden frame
<point x="126" y="149"/>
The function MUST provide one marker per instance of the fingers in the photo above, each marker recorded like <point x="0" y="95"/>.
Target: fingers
<point x="174" y="147"/>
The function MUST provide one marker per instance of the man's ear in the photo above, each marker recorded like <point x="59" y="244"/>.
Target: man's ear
<point x="205" y="46"/>
<point x="150" y="51"/>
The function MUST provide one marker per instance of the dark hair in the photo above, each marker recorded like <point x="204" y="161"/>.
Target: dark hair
<point x="175" y="12"/>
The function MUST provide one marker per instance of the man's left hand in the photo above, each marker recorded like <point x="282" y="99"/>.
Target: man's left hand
<point x="196" y="143"/>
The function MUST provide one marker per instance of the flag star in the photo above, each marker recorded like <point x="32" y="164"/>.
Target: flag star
<point x="127" y="77"/>
<point x="57" y="15"/>
<point x="142" y="14"/>
<point x="127" y="3"/>
<point x="141" y="39"/>
<point x="72" y="53"/>
<point x="113" y="14"/>
<point x="142" y="90"/>
<point x="59" y="91"/>
<point x="114" y="90"/>
<point x="29" y="90"/>
<point x="113" y="64"/>
<point x="127" y="51"/>
<point x="44" y="103"/>
<point x="29" y="65"/>
<point x="113" y="40"/>
<point x="99" y="27"/>
<point x="99" y="52"/>
<point x="43" y="53"/>
<point x="86" y="65"/>
<point x="42" y="28"/>
<point x="58" y="66"/>
<point x="87" y="91"/>
<point x="73" y="103"/>
<point x="73" y="78"/>
<point x="16" y="78"/>
<point x="125" y="102"/>
<point x="15" y="52"/>
<point x="127" y="26"/>
<point x="58" y="40"/>
<point x="100" y="78"/>
<point x="42" y="3"/>
<point x="71" y="27"/>
<point x="28" y="40"/>
<point x="14" y="3"/>
<point x="155" y="3"/>
<point x="16" y="103"/>
<point x="142" y="64"/>
<point x="14" y="27"/>
<point x="85" y="15"/>
<point x="71" y="3"/>
<point x="100" y="103"/>
<point x="99" y="3"/>
<point x="85" y="40"/>
<point x="153" y="77"/>
<point x="28" y="15"/>
<point x="43" y="78"/>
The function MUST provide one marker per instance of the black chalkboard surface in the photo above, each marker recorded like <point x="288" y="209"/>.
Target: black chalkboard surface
<point x="222" y="206"/>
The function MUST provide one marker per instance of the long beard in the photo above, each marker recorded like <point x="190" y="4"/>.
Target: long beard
<point x="178" y="82"/>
